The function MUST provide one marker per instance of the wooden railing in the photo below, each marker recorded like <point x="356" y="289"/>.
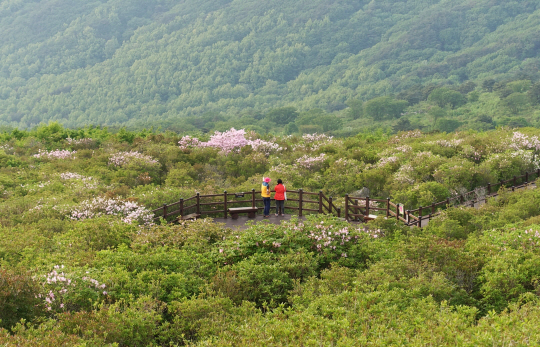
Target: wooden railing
<point x="361" y="209"/>
<point x="218" y="204"/>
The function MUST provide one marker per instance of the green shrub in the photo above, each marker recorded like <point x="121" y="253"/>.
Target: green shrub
<point x="18" y="298"/>
<point x="258" y="279"/>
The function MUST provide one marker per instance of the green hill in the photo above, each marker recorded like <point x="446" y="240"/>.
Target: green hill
<point x="137" y="63"/>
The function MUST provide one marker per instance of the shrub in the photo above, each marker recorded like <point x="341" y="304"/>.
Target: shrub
<point x="206" y="317"/>
<point x="134" y="324"/>
<point x="258" y="279"/>
<point x="18" y="298"/>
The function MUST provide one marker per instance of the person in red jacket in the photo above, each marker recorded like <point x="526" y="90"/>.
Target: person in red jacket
<point x="280" y="197"/>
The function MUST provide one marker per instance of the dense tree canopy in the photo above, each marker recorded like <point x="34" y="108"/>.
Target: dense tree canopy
<point x="138" y="64"/>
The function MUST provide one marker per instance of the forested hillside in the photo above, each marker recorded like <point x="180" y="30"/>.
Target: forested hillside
<point x="140" y="63"/>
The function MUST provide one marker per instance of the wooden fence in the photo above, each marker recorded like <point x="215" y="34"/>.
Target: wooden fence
<point x="361" y="209"/>
<point x="217" y="205"/>
<point x="364" y="209"/>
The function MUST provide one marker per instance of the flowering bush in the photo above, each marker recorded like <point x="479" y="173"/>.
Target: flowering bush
<point x="123" y="158"/>
<point x="404" y="175"/>
<point x="387" y="160"/>
<point x="325" y="238"/>
<point x="230" y="141"/>
<point x="62" y="292"/>
<point x="87" y="182"/>
<point x="469" y="152"/>
<point x="188" y="142"/>
<point x="511" y="163"/>
<point x="313" y="142"/>
<point x="227" y="141"/>
<point x="522" y="141"/>
<point x="413" y="134"/>
<point x="311" y="163"/>
<point x="57" y="154"/>
<point x="264" y="147"/>
<point x="454" y="143"/>
<point x="129" y="211"/>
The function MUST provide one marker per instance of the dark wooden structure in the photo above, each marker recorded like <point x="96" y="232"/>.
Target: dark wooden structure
<point x="234" y="211"/>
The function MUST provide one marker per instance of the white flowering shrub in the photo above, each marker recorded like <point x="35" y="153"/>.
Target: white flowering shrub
<point x="57" y="154"/>
<point x="70" y="292"/>
<point x="75" y="179"/>
<point x="311" y="163"/>
<point x="511" y="163"/>
<point x="522" y="141"/>
<point x="128" y="211"/>
<point x="122" y="159"/>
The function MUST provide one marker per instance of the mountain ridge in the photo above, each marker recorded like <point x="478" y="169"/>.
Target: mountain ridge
<point x="130" y="63"/>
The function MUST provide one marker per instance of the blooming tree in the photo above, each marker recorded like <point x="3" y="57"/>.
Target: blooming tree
<point x="229" y="141"/>
<point x="188" y="142"/>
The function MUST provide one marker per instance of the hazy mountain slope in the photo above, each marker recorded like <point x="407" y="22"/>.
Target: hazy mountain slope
<point x="128" y="62"/>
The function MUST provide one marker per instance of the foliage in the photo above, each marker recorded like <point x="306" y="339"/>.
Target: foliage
<point x="73" y="272"/>
<point x="259" y="65"/>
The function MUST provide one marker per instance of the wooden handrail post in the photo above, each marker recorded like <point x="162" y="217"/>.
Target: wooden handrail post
<point x="253" y="200"/>
<point x="447" y="202"/>
<point x="387" y="207"/>
<point x="300" y="201"/>
<point x="181" y="208"/>
<point x="538" y="173"/>
<point x="397" y="212"/>
<point x="339" y="212"/>
<point x="408" y="217"/>
<point x="330" y="205"/>
<point x="164" y="211"/>
<point x="420" y="216"/>
<point x="420" y="211"/>
<point x="489" y="189"/>
<point x="198" y="203"/>
<point x="367" y="206"/>
<point x="225" y="204"/>
<point x="513" y="188"/>
<point x="432" y="207"/>
<point x="347" y="207"/>
<point x="320" y="202"/>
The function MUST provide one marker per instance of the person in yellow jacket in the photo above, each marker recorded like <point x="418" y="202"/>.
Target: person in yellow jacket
<point x="265" y="193"/>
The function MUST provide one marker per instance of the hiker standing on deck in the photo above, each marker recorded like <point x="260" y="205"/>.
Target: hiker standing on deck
<point x="280" y="197"/>
<point x="265" y="193"/>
